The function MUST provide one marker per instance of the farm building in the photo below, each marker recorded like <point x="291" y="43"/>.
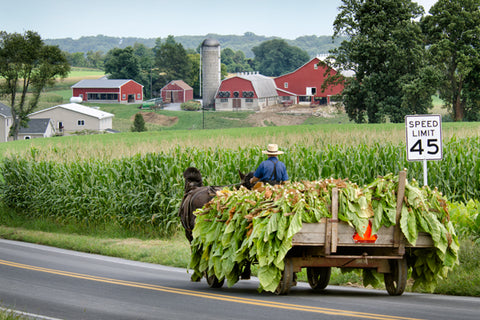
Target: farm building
<point x="73" y="117"/>
<point x="6" y="121"/>
<point x="108" y="91"/>
<point x="37" y="128"/>
<point x="246" y="92"/>
<point x="286" y="97"/>
<point x="176" y="91"/>
<point x="306" y="82"/>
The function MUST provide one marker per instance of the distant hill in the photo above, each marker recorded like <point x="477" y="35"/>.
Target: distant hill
<point x="312" y="44"/>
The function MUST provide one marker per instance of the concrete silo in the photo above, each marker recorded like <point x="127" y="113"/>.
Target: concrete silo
<point x="210" y="60"/>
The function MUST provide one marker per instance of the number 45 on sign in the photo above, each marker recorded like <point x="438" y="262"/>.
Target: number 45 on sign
<point x="424" y="139"/>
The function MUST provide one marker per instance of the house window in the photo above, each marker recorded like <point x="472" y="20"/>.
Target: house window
<point x="124" y="96"/>
<point x="285" y="85"/>
<point x="138" y="96"/>
<point x="223" y="100"/>
<point x="315" y="66"/>
<point x="249" y="100"/>
<point x="81" y="122"/>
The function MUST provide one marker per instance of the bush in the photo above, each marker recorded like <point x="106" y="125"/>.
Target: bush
<point x="138" y="123"/>
<point x="191" y="105"/>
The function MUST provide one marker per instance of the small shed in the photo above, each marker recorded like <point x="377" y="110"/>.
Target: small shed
<point x="37" y="128"/>
<point x="246" y="91"/>
<point x="108" y="91"/>
<point x="73" y="117"/>
<point x="176" y="91"/>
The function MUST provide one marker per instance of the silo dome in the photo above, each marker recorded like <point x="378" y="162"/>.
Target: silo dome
<point x="210" y="43"/>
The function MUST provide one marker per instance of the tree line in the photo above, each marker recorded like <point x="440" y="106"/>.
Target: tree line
<point x="311" y="43"/>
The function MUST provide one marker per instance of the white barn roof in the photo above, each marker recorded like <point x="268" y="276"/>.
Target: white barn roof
<point x="81" y="109"/>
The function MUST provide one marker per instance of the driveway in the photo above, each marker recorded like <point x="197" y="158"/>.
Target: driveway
<point x="172" y="107"/>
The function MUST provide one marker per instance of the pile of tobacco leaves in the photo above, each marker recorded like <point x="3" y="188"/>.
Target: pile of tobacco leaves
<point x="238" y="227"/>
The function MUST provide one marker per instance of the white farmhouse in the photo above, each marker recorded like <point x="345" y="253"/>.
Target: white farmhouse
<point x="72" y="117"/>
<point x="6" y="122"/>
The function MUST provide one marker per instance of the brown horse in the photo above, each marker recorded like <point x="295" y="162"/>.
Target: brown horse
<point x="196" y="195"/>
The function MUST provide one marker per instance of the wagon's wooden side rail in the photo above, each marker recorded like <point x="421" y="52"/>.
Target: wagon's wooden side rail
<point x="330" y="234"/>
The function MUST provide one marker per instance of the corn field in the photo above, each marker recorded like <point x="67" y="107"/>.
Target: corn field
<point x="147" y="189"/>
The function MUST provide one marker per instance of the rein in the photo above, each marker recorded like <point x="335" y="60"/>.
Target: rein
<point x="231" y="185"/>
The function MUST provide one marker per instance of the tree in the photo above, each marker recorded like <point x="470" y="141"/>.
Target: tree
<point x="122" y="64"/>
<point x="235" y="61"/>
<point x="95" y="59"/>
<point x="194" y="73"/>
<point x="172" y="61"/>
<point x="276" y="57"/>
<point x="146" y="59"/>
<point x="27" y="66"/>
<point x="385" y="49"/>
<point x="138" y="123"/>
<point x="452" y="30"/>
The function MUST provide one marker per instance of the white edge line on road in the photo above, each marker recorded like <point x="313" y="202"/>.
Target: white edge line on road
<point x="28" y="315"/>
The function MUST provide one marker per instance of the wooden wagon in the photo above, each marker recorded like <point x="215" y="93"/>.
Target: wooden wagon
<point x="332" y="243"/>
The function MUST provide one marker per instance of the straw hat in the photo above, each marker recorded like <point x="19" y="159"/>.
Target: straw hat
<point x="272" y="150"/>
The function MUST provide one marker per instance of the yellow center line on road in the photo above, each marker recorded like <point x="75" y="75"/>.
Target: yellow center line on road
<point x="206" y="295"/>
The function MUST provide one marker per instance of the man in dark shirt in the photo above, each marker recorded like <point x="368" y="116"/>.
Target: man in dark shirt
<point x="272" y="170"/>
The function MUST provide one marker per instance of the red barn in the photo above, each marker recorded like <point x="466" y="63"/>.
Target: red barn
<point x="306" y="82"/>
<point x="109" y="91"/>
<point x="176" y="91"/>
<point x="246" y="92"/>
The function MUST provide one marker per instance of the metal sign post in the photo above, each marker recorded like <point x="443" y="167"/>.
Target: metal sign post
<point x="424" y="139"/>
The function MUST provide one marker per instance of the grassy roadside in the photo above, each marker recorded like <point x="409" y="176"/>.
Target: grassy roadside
<point x="175" y="251"/>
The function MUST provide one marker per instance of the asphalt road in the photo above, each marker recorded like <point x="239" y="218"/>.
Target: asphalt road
<point x="60" y="284"/>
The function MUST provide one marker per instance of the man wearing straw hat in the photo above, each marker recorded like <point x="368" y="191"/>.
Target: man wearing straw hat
<point x="272" y="170"/>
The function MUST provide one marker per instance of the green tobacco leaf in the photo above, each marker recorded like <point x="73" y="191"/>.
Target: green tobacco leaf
<point x="405" y="223"/>
<point x="378" y="215"/>
<point x="295" y="225"/>
<point x="269" y="277"/>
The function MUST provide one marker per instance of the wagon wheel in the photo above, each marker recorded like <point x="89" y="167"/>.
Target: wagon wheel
<point x="318" y="277"/>
<point x="288" y="278"/>
<point x="213" y="281"/>
<point x="396" y="280"/>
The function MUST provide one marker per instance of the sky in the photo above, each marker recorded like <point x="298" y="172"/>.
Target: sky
<point x="288" y="19"/>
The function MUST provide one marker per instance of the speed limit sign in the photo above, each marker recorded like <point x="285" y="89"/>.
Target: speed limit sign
<point x="424" y="137"/>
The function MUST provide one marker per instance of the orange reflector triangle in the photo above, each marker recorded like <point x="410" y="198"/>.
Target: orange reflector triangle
<point x="368" y="237"/>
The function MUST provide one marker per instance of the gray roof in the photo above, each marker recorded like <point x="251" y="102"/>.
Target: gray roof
<point x="5" y="111"/>
<point x="264" y="86"/>
<point x="75" y="107"/>
<point x="35" y="126"/>
<point x="101" y="83"/>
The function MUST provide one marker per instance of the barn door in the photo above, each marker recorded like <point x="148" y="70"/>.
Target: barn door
<point x="236" y="104"/>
